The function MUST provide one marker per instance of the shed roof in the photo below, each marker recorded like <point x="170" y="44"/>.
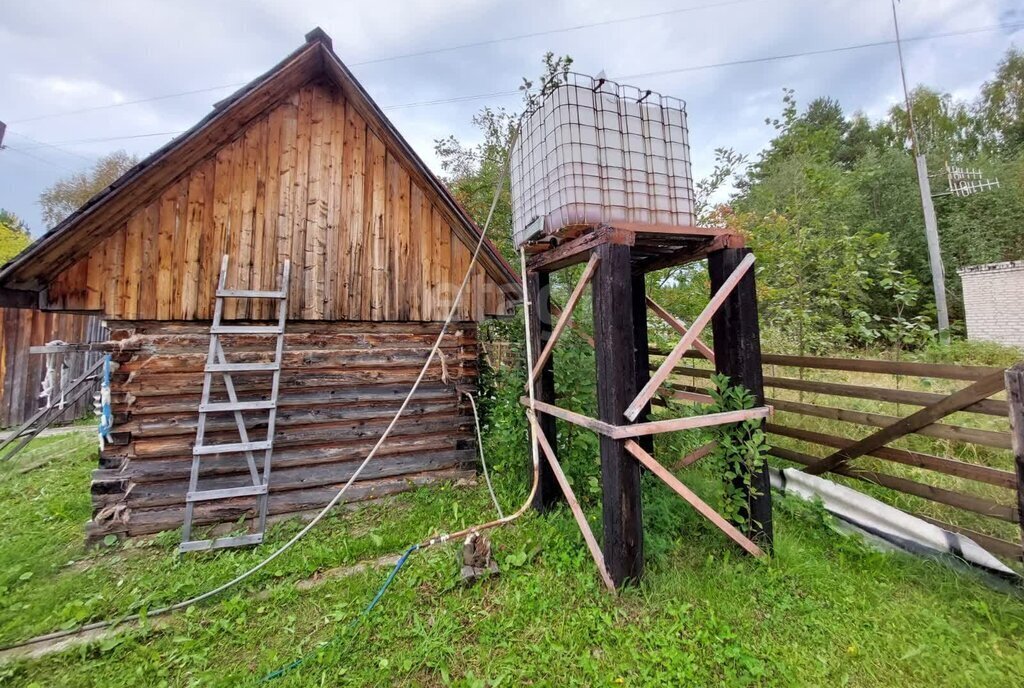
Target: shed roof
<point x="60" y="247"/>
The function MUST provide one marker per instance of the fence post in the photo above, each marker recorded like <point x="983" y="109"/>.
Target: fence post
<point x="1015" y="397"/>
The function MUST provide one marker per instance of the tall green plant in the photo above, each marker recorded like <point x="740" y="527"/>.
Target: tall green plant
<point x="741" y="450"/>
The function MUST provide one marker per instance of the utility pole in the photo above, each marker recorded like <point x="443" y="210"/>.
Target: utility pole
<point x="931" y="224"/>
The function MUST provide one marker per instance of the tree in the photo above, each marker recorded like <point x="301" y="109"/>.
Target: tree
<point x="14" y="235"/>
<point x="946" y="127"/>
<point x="70" y="193"/>
<point x="1001" y="106"/>
<point x="472" y="172"/>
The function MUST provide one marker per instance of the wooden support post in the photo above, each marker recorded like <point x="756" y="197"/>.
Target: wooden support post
<point x="1015" y="397"/>
<point x="738" y="355"/>
<point x="643" y="356"/>
<point x="616" y="380"/>
<point x="539" y="293"/>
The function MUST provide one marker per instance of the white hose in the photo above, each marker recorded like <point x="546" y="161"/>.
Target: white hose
<point x="483" y="461"/>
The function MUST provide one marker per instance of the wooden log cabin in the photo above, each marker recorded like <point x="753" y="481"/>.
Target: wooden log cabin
<point x="302" y="165"/>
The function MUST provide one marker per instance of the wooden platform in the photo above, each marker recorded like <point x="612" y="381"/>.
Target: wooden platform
<point x="653" y="246"/>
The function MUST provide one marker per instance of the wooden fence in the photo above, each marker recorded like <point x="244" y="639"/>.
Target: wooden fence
<point x="22" y="373"/>
<point x="976" y="473"/>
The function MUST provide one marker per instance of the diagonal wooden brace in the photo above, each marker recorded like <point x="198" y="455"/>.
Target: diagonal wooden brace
<point x="565" y="317"/>
<point x="680" y="327"/>
<point x="676" y="355"/>
<point x="696" y="502"/>
<point x="574" y="505"/>
<point x="972" y="394"/>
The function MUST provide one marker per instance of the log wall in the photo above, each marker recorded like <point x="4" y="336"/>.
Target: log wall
<point x="341" y="383"/>
<point x="22" y="373"/>
<point x="308" y="180"/>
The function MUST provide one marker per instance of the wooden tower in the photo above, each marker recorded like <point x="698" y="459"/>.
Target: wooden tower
<point x="618" y="256"/>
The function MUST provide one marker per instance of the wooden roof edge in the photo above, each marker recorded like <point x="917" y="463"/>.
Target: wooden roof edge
<point x="96" y="203"/>
<point x="316" y="40"/>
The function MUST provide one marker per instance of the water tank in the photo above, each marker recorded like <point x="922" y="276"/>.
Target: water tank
<point x="599" y="152"/>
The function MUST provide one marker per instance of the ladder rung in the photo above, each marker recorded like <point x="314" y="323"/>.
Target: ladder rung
<point x="204" y="449"/>
<point x="219" y="407"/>
<point x="242" y="367"/>
<point x="247" y="329"/>
<point x="236" y="541"/>
<point x="226" y="493"/>
<point x="250" y="294"/>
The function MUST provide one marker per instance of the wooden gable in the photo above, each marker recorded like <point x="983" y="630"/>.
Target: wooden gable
<point x="315" y="175"/>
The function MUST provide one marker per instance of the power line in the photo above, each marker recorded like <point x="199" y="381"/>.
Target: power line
<point x="104" y="139"/>
<point x="54" y="146"/>
<point x="36" y="157"/>
<point x="548" y="32"/>
<point x="125" y="103"/>
<point x="825" y="51"/>
<point x="664" y="72"/>
<point x="403" y="56"/>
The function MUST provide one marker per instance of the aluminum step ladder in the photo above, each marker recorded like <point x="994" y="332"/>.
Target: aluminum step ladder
<point x="217" y="363"/>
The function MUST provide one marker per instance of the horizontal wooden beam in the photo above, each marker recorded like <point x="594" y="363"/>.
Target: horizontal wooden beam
<point x="577" y="250"/>
<point x="978" y="505"/>
<point x="621" y="432"/>
<point x="687" y="255"/>
<point x="105" y="347"/>
<point x="953" y="467"/>
<point x="697" y="397"/>
<point x="991" y="407"/>
<point x="18" y="298"/>
<point x="679" y="230"/>
<point x="949" y="371"/>
<point x="689" y="423"/>
<point x="692" y="499"/>
<point x="942" y="431"/>
<point x="956" y="401"/>
<point x="598" y="426"/>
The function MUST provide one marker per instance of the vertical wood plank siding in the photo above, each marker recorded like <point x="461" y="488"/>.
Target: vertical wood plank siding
<point x="22" y="373"/>
<point x="307" y="180"/>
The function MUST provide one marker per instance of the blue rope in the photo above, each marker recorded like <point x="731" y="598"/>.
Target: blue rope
<point x="278" y="673"/>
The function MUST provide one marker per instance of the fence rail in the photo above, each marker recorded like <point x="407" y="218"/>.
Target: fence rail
<point x="840" y="454"/>
<point x="22" y="372"/>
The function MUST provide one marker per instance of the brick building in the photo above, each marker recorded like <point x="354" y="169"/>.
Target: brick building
<point x="994" y="302"/>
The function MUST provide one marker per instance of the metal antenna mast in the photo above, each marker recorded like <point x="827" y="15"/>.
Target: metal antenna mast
<point x="931" y="225"/>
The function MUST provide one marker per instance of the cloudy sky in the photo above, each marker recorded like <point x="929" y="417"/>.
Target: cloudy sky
<point x="432" y="64"/>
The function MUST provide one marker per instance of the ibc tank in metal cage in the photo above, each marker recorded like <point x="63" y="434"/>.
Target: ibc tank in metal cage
<point x="599" y="152"/>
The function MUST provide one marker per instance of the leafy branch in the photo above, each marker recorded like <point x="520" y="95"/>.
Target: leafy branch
<point x="740" y="450"/>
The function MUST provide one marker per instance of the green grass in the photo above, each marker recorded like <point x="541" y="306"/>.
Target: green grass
<point x="825" y="610"/>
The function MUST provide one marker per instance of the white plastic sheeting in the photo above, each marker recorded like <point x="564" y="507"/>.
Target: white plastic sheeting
<point x="596" y="151"/>
<point x="884" y="521"/>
